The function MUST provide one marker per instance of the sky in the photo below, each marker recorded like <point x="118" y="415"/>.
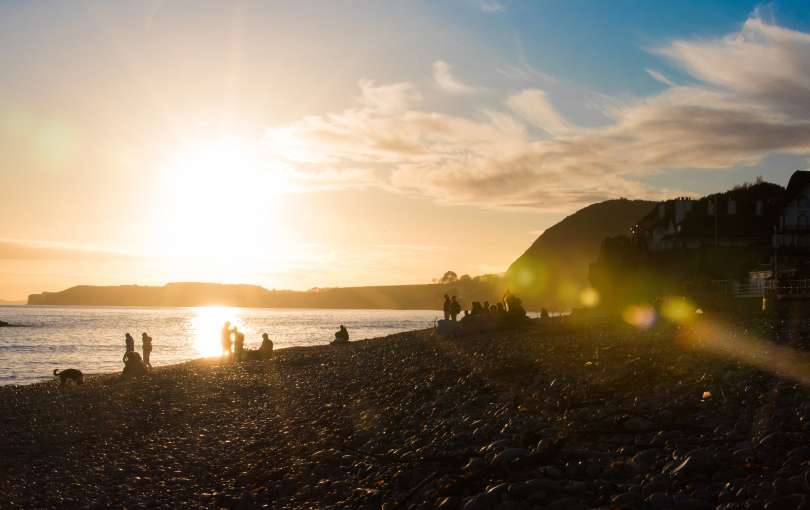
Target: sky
<point x="303" y="144"/>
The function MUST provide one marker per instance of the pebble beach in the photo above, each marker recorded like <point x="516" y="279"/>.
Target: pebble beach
<point x="554" y="415"/>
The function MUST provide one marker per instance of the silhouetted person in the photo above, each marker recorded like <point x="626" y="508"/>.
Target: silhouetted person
<point x="455" y="308"/>
<point x="238" y="344"/>
<point x="476" y="308"/>
<point x="266" y="349"/>
<point x="514" y="306"/>
<point x="496" y="310"/>
<point x="133" y="365"/>
<point x="147" y="349"/>
<point x="226" y="339"/>
<point x="486" y="307"/>
<point x="543" y="313"/>
<point x="130" y="343"/>
<point x="341" y="336"/>
<point x="447" y="307"/>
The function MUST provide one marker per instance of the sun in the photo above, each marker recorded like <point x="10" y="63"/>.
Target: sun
<point x="219" y="194"/>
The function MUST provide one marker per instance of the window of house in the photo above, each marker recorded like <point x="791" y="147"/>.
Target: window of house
<point x="710" y="208"/>
<point x="802" y="202"/>
<point x="801" y="221"/>
<point x="760" y="208"/>
<point x="732" y="207"/>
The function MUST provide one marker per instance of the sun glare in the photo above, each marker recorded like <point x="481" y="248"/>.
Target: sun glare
<point x="219" y="194"/>
<point x="206" y="326"/>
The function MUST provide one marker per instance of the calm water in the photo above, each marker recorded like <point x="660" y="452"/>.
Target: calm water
<point x="92" y="338"/>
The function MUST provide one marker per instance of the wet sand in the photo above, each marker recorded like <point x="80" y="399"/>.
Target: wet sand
<point x="552" y="415"/>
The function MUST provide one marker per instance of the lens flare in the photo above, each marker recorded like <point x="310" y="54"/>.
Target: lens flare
<point x="640" y="316"/>
<point x="732" y="342"/>
<point x="678" y="310"/>
<point x="568" y="292"/>
<point x="589" y="297"/>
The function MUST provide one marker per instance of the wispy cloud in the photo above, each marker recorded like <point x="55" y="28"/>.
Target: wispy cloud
<point x="658" y="76"/>
<point x="443" y="75"/>
<point x="750" y="97"/>
<point x="11" y="249"/>
<point x="534" y="106"/>
<point x="491" y="6"/>
<point x="391" y="98"/>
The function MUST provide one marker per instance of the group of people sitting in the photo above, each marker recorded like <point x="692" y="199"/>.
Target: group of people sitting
<point x="510" y="306"/>
<point x="233" y="345"/>
<point x="507" y="313"/>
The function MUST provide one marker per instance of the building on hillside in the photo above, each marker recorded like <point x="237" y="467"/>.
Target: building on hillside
<point x="660" y="227"/>
<point x="749" y="242"/>
<point x="741" y="217"/>
<point x="791" y="238"/>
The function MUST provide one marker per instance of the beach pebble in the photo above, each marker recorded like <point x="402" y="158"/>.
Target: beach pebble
<point x="659" y="501"/>
<point x="510" y="455"/>
<point x="638" y="424"/>
<point x="696" y="462"/>
<point x="567" y="503"/>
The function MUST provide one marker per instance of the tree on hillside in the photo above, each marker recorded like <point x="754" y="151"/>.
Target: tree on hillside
<point x="449" y="277"/>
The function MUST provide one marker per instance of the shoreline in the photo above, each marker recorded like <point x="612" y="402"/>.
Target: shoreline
<point x="554" y="414"/>
<point x="214" y="359"/>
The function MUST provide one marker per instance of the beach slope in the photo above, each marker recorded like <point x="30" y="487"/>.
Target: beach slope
<point x="553" y="415"/>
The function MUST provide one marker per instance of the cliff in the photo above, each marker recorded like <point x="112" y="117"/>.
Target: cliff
<point x="555" y="267"/>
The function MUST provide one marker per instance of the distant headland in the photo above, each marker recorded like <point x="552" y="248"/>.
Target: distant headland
<point x="414" y="297"/>
<point x="561" y="254"/>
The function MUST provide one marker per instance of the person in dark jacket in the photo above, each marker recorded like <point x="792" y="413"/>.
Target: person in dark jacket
<point x="147" y="349"/>
<point x="455" y="308"/>
<point x="266" y="349"/>
<point x="133" y="365"/>
<point x="341" y="336"/>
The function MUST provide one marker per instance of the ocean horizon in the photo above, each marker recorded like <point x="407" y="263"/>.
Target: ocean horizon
<point x="91" y="338"/>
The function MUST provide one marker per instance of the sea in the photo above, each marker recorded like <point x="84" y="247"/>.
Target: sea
<point x="92" y="338"/>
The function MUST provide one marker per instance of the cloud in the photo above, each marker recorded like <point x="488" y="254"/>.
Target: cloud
<point x="658" y="76"/>
<point x="443" y="76"/>
<point x="491" y="6"/>
<point x="393" y="98"/>
<point x="749" y="96"/>
<point x="763" y="66"/>
<point x="534" y="106"/>
<point x="23" y="250"/>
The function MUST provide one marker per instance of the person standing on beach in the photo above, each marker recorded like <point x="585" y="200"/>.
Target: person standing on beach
<point x="238" y="344"/>
<point x="226" y="339"/>
<point x="455" y="308"/>
<point x="447" y="306"/>
<point x="130" y="343"/>
<point x="147" y="349"/>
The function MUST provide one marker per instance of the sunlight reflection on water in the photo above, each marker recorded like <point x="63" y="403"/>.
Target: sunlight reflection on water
<point x="92" y="338"/>
<point x="206" y="326"/>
